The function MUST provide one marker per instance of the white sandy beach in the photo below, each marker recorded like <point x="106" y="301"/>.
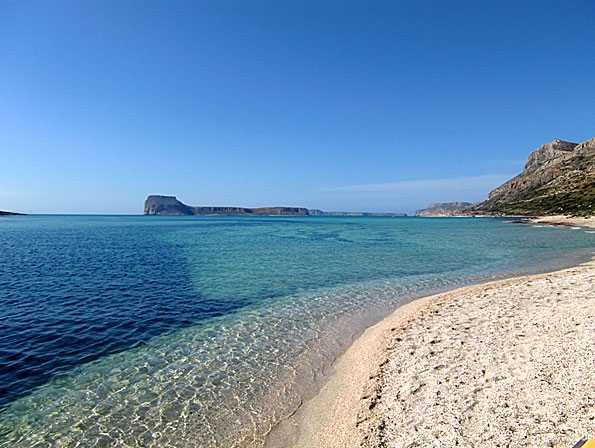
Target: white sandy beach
<point x="578" y="221"/>
<point x="508" y="363"/>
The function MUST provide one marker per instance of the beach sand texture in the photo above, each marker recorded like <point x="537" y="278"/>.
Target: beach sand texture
<point x="508" y="363"/>
<point x="588" y="222"/>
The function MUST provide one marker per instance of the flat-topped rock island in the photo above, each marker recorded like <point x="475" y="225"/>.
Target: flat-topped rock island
<point x="170" y="205"/>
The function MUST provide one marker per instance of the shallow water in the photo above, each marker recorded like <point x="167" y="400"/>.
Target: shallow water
<point x="205" y="331"/>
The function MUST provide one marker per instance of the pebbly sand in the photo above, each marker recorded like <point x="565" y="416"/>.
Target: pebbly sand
<point x="508" y="363"/>
<point x="566" y="221"/>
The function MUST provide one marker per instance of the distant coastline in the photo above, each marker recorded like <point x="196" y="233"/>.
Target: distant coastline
<point x="2" y="213"/>
<point x="171" y="206"/>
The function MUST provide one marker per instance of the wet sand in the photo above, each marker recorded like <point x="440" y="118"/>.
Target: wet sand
<point x="507" y="363"/>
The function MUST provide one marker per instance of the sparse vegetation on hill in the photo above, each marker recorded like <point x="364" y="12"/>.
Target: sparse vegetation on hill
<point x="545" y="202"/>
<point x="559" y="178"/>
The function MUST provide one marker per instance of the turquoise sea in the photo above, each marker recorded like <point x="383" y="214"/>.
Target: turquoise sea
<point x="207" y="331"/>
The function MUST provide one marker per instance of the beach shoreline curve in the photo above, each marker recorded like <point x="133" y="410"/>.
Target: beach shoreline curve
<point x="357" y="405"/>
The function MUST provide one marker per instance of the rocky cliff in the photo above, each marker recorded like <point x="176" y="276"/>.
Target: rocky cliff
<point x="165" y="205"/>
<point x="439" y="209"/>
<point x="559" y="178"/>
<point x="169" y="205"/>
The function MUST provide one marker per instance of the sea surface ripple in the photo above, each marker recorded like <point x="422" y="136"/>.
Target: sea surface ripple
<point x="206" y="331"/>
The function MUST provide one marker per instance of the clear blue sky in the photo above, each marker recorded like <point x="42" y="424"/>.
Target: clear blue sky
<point x="336" y="105"/>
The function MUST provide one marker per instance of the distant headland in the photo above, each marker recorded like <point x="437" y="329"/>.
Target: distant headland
<point x="10" y="213"/>
<point x="170" y="205"/>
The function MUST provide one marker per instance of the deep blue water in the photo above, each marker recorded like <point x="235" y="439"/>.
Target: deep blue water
<point x="74" y="289"/>
<point x="85" y="298"/>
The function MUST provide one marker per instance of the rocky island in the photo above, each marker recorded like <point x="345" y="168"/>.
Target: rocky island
<point x="170" y="205"/>
<point x="558" y="179"/>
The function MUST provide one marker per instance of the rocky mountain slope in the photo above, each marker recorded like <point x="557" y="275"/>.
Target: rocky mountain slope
<point x="444" y="209"/>
<point x="559" y="178"/>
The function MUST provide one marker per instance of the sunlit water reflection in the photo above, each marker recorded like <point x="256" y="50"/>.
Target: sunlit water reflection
<point x="235" y="319"/>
